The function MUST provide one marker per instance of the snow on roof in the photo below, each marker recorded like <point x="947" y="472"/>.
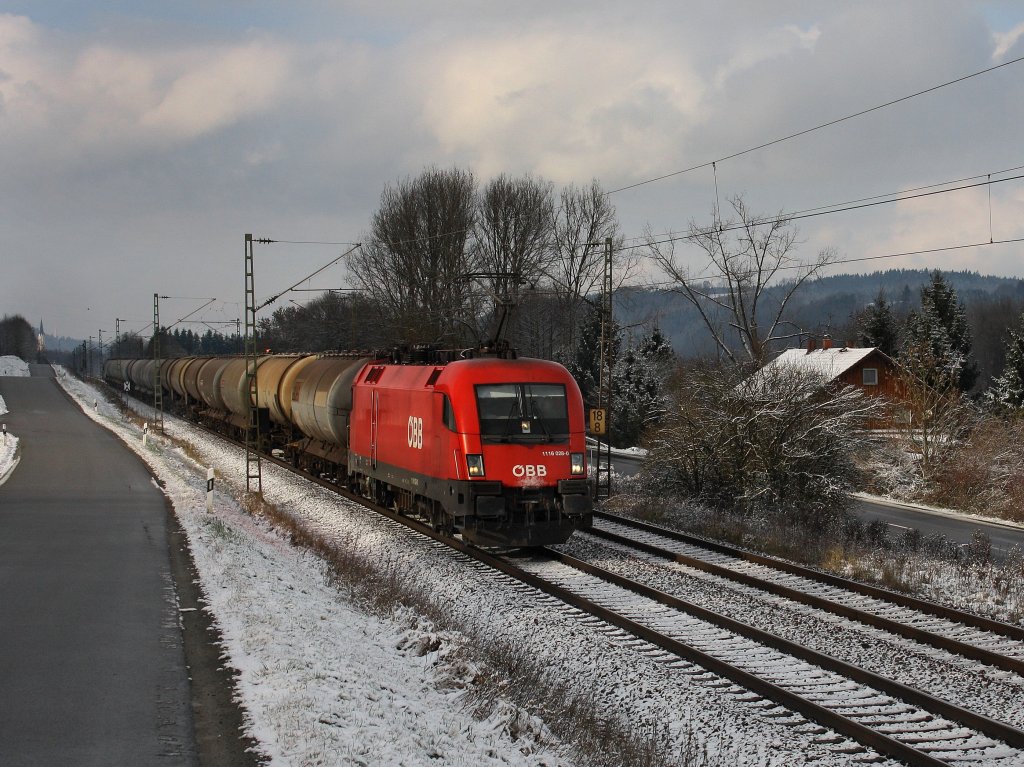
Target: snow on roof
<point x="828" y="363"/>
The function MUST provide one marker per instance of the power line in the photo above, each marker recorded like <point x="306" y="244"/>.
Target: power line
<point x="923" y="252"/>
<point x="815" y="212"/>
<point x="838" y="207"/>
<point x="828" y="124"/>
<point x="276" y="296"/>
<point x="268" y="241"/>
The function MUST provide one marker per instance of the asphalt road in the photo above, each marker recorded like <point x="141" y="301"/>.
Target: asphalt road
<point x="92" y="665"/>
<point x="959" y="529"/>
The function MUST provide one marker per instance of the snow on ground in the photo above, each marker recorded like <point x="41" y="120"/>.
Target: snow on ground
<point x="13" y="366"/>
<point x="325" y="682"/>
<point x="9" y="456"/>
<point x="8" y="442"/>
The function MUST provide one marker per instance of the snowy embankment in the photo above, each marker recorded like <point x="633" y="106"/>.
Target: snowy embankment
<point x="8" y="442"/>
<point x="9" y="455"/>
<point x="323" y="681"/>
<point x="13" y="366"/>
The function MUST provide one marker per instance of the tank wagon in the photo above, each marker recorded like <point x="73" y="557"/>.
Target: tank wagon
<point x="487" y="446"/>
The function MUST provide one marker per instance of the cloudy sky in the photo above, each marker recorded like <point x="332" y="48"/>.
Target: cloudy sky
<point x="142" y="140"/>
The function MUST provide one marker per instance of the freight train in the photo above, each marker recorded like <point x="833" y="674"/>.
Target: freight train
<point x="481" y="444"/>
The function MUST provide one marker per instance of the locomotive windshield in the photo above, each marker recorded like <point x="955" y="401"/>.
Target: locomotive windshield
<point x="523" y="412"/>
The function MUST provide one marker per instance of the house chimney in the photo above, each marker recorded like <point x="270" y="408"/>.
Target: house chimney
<point x="826" y="342"/>
<point x="811" y="345"/>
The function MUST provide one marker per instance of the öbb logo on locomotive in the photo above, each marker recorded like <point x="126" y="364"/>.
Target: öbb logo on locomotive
<point x="494" y="449"/>
<point x="414" y="432"/>
<point x="529" y="470"/>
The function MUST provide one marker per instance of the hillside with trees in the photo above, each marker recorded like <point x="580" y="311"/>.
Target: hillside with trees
<point x="835" y="305"/>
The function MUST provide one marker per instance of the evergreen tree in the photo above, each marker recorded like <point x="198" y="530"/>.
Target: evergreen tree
<point x="1008" y="390"/>
<point x="657" y="348"/>
<point x="877" y="326"/>
<point x="639" y="383"/>
<point x="938" y="338"/>
<point x="585" y="362"/>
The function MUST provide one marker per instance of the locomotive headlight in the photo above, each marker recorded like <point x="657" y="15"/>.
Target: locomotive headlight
<point x="576" y="463"/>
<point x="475" y="464"/>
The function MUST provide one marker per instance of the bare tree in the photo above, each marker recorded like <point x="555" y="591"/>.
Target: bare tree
<point x="937" y="413"/>
<point x="583" y="219"/>
<point x="748" y="256"/>
<point x="511" y="240"/>
<point x="415" y="262"/>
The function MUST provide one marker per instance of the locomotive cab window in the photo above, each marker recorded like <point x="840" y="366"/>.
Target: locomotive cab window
<point x="523" y="412"/>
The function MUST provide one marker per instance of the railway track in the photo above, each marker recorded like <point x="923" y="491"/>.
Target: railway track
<point x="994" y="643"/>
<point x="885" y="716"/>
<point x="891" y="718"/>
<point x="882" y="715"/>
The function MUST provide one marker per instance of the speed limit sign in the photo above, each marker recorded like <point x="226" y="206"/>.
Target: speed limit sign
<point x="598" y="420"/>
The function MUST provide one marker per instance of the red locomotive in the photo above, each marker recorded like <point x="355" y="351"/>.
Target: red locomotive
<point x="488" y="446"/>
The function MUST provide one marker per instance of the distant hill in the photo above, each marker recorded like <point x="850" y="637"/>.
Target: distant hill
<point x="827" y="305"/>
<point x="61" y="343"/>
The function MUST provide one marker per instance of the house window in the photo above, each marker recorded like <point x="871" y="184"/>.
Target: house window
<point x="870" y="376"/>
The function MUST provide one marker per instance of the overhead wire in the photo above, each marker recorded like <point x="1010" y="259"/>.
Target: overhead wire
<point x="838" y="207"/>
<point x="787" y="267"/>
<point x="820" y="126"/>
<point x="815" y="212"/>
<point x="812" y="212"/>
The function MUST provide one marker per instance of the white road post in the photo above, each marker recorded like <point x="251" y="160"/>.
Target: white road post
<point x="5" y="434"/>
<point x="209" y="489"/>
<point x="145" y="434"/>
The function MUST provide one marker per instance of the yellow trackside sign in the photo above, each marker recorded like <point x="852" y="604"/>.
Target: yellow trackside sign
<point x="598" y="420"/>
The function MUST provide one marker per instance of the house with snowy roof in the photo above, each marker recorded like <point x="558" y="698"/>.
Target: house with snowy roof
<point x="868" y="369"/>
<point x="865" y="368"/>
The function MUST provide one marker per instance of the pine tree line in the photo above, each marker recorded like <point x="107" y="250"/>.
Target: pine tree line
<point x="935" y="344"/>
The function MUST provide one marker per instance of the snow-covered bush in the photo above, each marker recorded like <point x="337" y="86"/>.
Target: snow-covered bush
<point x="778" y="443"/>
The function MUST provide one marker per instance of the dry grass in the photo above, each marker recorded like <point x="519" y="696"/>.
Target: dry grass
<point x="982" y="473"/>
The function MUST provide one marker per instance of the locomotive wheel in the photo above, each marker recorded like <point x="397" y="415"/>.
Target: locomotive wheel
<point x="440" y="521"/>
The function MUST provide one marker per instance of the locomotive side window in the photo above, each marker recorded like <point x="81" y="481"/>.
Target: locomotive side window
<point x="523" y="412"/>
<point x="448" y="415"/>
